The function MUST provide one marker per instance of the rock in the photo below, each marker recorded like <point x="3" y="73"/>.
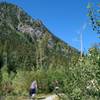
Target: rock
<point x="52" y="97"/>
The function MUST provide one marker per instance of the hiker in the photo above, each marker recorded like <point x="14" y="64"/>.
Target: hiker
<point x="56" y="86"/>
<point x="33" y="89"/>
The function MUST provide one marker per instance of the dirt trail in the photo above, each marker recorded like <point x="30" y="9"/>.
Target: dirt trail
<point x="52" y="97"/>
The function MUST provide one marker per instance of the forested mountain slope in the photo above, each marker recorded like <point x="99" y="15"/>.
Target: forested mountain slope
<point x="26" y="42"/>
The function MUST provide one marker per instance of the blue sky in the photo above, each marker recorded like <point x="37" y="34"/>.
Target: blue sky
<point x="64" y="18"/>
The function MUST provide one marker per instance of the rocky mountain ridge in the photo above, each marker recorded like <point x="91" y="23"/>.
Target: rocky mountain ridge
<point x="27" y="42"/>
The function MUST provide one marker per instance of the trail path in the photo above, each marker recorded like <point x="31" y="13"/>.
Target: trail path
<point x="52" y="97"/>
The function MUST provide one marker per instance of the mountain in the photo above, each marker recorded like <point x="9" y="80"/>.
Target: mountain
<point x="27" y="43"/>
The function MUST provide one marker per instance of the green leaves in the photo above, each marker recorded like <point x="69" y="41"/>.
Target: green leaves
<point x="98" y="22"/>
<point x="94" y="17"/>
<point x="89" y="5"/>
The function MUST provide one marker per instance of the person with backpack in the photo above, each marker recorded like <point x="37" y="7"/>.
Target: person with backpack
<point x="33" y="89"/>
